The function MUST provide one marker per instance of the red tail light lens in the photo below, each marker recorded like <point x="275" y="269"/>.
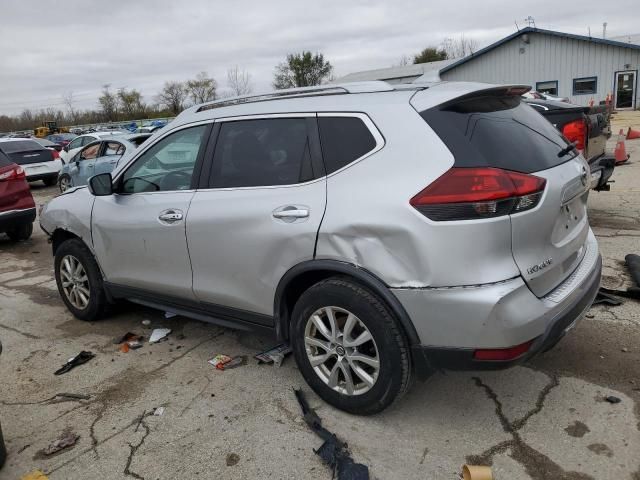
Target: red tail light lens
<point x="576" y="132"/>
<point x="502" y="354"/>
<point x="55" y="154"/>
<point x="472" y="193"/>
<point x="13" y="174"/>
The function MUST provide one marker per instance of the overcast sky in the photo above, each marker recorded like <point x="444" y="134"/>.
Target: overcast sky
<point x="50" y="47"/>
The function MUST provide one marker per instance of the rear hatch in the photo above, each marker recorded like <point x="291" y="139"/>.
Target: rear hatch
<point x="492" y="129"/>
<point x="26" y="152"/>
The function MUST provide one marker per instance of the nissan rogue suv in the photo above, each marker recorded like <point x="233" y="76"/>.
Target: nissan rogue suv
<point x="384" y="231"/>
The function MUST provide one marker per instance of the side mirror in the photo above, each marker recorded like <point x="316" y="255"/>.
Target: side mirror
<point x="101" y="185"/>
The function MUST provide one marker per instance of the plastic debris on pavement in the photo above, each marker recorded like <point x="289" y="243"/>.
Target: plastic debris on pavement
<point x="476" y="472"/>
<point x="333" y="451"/>
<point x="220" y="360"/>
<point x="35" y="475"/>
<point x="82" y="357"/>
<point x="274" y="355"/>
<point x="612" y="399"/>
<point x="159" y="334"/>
<point x="146" y="322"/>
<point x="67" y="439"/>
<point x="170" y="314"/>
<point x="129" y="341"/>
<point x="158" y="411"/>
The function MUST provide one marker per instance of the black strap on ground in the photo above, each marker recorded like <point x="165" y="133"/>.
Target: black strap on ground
<point x="333" y="452"/>
<point x="633" y="264"/>
<point x="82" y="357"/>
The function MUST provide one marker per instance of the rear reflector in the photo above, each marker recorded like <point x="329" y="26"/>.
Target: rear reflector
<point x="478" y="192"/>
<point x="576" y="132"/>
<point x="502" y="354"/>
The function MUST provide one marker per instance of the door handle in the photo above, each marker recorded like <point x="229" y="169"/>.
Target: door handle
<point x="292" y="213"/>
<point x="170" y="216"/>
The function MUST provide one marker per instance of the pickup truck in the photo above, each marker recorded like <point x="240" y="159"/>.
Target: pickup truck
<point x="588" y="128"/>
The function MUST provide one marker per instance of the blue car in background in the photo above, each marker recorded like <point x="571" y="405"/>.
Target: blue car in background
<point x="100" y="156"/>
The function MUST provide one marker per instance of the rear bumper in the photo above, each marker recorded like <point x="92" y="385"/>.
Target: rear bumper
<point x="453" y="323"/>
<point x="12" y="218"/>
<point x="42" y="170"/>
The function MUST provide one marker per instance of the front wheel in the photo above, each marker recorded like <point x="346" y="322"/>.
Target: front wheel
<point x="65" y="183"/>
<point x="79" y="280"/>
<point x="349" y="347"/>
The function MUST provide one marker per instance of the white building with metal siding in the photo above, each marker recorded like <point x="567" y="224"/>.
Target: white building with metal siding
<point x="574" y="66"/>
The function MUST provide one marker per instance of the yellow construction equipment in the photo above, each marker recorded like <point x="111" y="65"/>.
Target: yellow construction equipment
<point x="49" y="128"/>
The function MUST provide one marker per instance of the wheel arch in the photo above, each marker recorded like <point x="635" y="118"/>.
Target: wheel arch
<point x="299" y="278"/>
<point x="59" y="236"/>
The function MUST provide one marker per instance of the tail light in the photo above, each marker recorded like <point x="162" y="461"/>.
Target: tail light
<point x="474" y="193"/>
<point x="14" y="174"/>
<point x="55" y="154"/>
<point x="576" y="132"/>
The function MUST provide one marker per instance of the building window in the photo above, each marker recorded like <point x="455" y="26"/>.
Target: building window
<point x="550" y="87"/>
<point x="585" y="86"/>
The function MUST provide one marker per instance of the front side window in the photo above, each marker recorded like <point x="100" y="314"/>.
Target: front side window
<point x="548" y="87"/>
<point x="264" y="152"/>
<point x="113" y="148"/>
<point x="585" y="86"/>
<point x="90" y="152"/>
<point x="77" y="143"/>
<point x="343" y="140"/>
<point x="167" y="165"/>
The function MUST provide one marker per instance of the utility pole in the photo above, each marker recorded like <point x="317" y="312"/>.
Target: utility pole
<point x="604" y="30"/>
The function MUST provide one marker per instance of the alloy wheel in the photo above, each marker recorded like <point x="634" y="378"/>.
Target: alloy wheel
<point x="342" y="351"/>
<point x="65" y="184"/>
<point x="75" y="282"/>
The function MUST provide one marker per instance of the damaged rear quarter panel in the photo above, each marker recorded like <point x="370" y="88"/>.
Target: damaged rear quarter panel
<point x="370" y="223"/>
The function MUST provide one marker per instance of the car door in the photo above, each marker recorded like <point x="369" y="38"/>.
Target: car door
<point x="83" y="164"/>
<point x="110" y="152"/>
<point x="139" y="231"/>
<point x="258" y="212"/>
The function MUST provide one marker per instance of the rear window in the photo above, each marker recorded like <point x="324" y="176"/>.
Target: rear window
<point x="20" y="146"/>
<point x="500" y="132"/>
<point x="4" y="160"/>
<point x="343" y="139"/>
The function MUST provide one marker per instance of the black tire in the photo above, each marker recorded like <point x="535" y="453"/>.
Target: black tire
<point x="21" y="232"/>
<point x="394" y="374"/>
<point x="50" y="181"/>
<point x="60" y="180"/>
<point x="97" y="304"/>
<point x="3" y="449"/>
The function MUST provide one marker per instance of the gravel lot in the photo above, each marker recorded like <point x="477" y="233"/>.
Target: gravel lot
<point x="545" y="420"/>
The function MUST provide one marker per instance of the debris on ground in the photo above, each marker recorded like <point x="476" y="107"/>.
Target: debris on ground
<point x="129" y="341"/>
<point x="274" y="355"/>
<point x="232" y="459"/>
<point x="604" y="296"/>
<point x="146" y="322"/>
<point x="170" y="314"/>
<point x="35" y="475"/>
<point x="82" y="357"/>
<point x="158" y="411"/>
<point x="333" y="452"/>
<point x="236" y="362"/>
<point x="219" y="360"/>
<point x="625" y="349"/>
<point x="67" y="439"/>
<point x="476" y="472"/>
<point x="159" y="334"/>
<point x="612" y="399"/>
<point x="73" y="396"/>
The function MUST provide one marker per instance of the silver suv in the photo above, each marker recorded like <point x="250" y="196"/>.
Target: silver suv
<point x="385" y="231"/>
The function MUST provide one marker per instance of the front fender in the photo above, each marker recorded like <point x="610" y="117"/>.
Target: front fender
<point x="71" y="212"/>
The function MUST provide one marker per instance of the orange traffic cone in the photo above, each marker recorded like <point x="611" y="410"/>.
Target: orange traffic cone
<point x="621" y="152"/>
<point x="633" y="134"/>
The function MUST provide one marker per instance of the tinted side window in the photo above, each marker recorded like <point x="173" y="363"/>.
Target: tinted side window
<point x="343" y="139"/>
<point x="76" y="143"/>
<point x="254" y="153"/>
<point x="4" y="160"/>
<point x="167" y="165"/>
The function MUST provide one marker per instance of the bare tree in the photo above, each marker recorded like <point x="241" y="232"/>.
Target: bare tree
<point x="239" y="81"/>
<point x="202" y="88"/>
<point x="172" y="96"/>
<point x="403" y="61"/>
<point x="459" y="47"/>
<point x="108" y="103"/>
<point x="69" y="102"/>
<point x="130" y="102"/>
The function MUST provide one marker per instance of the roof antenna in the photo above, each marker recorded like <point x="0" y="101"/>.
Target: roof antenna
<point x="589" y="28"/>
<point x="530" y="21"/>
<point x="604" y="30"/>
<point x="517" y="27"/>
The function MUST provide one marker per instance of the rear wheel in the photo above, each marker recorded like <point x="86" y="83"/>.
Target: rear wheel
<point x="349" y="347"/>
<point x="20" y="232"/>
<point x="50" y="181"/>
<point x="79" y="280"/>
<point x="65" y="183"/>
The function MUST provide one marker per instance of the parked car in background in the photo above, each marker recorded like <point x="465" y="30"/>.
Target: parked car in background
<point x="48" y="144"/>
<point x="17" y="207"/>
<point x="383" y="230"/>
<point x="588" y="128"/>
<point x="80" y="141"/>
<point x="535" y="95"/>
<point x="98" y="157"/>
<point x="38" y="162"/>
<point x="62" y="139"/>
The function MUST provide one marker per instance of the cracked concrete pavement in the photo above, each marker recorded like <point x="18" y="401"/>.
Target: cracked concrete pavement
<point x="545" y="420"/>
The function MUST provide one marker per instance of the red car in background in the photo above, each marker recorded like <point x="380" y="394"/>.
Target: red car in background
<point x="17" y="207"/>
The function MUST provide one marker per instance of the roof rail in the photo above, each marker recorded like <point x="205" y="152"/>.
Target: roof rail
<point x="355" y="87"/>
